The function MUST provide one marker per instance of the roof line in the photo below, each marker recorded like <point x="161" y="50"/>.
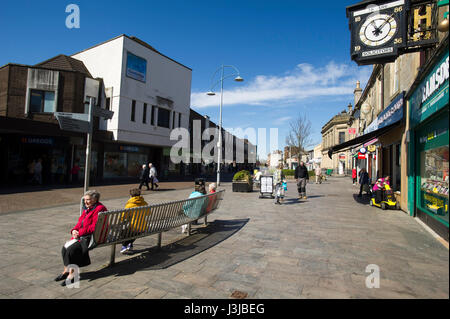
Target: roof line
<point x="138" y="41"/>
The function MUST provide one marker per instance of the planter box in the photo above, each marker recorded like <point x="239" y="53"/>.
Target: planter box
<point x="242" y="187"/>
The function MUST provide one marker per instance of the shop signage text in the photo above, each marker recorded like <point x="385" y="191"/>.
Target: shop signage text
<point x="37" y="140"/>
<point x="432" y="93"/>
<point x="435" y="80"/>
<point x="392" y="114"/>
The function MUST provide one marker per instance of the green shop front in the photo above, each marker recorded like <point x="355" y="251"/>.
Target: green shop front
<point x="428" y="149"/>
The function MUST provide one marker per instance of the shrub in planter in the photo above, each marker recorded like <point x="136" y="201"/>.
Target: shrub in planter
<point x="242" y="182"/>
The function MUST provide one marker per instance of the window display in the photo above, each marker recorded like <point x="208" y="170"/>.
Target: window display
<point x="115" y="164"/>
<point x="434" y="181"/>
<point x="135" y="162"/>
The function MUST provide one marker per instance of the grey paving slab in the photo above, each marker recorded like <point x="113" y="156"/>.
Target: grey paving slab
<point x="318" y="248"/>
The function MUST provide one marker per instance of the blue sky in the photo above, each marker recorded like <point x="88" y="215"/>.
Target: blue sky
<point x="293" y="55"/>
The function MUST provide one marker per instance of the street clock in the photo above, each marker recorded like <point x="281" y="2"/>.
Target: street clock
<point x="378" y="30"/>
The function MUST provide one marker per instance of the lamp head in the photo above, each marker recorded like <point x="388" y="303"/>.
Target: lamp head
<point x="211" y="93"/>
<point x="239" y="79"/>
<point x="443" y="26"/>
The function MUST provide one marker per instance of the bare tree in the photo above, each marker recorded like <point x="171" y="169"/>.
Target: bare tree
<point x="299" y="136"/>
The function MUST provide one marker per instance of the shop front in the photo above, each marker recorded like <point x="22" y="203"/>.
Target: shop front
<point x="429" y="145"/>
<point x="121" y="161"/>
<point x="21" y="153"/>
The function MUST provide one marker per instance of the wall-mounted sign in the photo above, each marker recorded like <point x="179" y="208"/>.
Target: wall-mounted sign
<point x="391" y="114"/>
<point x="371" y="148"/>
<point x="381" y="30"/>
<point x="361" y="156"/>
<point x="433" y="92"/>
<point x="38" y="140"/>
<point x="362" y="150"/>
<point x="342" y="156"/>
<point x="378" y="30"/>
<point x="352" y="131"/>
<point x="136" y="67"/>
<point x="131" y="149"/>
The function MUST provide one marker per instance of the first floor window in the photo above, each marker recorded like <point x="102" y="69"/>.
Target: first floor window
<point x="163" y="118"/>
<point x="133" y="111"/>
<point x="42" y="101"/>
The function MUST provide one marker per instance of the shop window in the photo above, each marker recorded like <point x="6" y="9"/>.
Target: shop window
<point x="133" y="111"/>
<point x="115" y="164"/>
<point x="134" y="163"/>
<point x="163" y="118"/>
<point x="434" y="182"/>
<point x="42" y="102"/>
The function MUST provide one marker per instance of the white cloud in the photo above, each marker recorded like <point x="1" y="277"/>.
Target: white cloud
<point x="282" y="120"/>
<point x="305" y="81"/>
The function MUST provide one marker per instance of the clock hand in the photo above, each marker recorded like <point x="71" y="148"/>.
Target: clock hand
<point x="384" y="23"/>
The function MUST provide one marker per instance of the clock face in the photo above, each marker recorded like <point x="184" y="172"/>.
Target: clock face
<point x="378" y="29"/>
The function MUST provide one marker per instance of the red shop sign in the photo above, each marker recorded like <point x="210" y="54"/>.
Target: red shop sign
<point x="361" y="156"/>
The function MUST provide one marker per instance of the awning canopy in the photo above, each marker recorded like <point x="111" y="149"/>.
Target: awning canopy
<point x="363" y="138"/>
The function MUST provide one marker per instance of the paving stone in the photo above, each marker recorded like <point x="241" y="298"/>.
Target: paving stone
<point x="296" y="251"/>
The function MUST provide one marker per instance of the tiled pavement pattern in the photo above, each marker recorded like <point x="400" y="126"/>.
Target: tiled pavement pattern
<point x="318" y="248"/>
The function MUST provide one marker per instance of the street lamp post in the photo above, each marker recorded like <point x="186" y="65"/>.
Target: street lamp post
<point x="211" y="93"/>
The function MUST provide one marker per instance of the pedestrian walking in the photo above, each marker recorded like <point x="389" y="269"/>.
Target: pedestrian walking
<point x="364" y="182"/>
<point x="76" y="251"/>
<point x="136" y="200"/>
<point x="30" y="167"/>
<point x="74" y="171"/>
<point x="318" y="173"/>
<point x="38" y="172"/>
<point x="302" y="178"/>
<point x="354" y="176"/>
<point x="153" y="176"/>
<point x="144" y="177"/>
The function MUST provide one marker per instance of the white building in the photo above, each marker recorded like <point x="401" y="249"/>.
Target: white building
<point x="149" y="94"/>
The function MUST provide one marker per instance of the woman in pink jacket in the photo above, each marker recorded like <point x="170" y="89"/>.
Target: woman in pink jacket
<point x="76" y="251"/>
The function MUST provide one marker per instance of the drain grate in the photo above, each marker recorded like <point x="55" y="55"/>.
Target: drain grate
<point x="239" y="294"/>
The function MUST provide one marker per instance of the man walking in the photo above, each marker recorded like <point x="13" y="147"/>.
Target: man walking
<point x="153" y="175"/>
<point x="301" y="177"/>
<point x="144" y="177"/>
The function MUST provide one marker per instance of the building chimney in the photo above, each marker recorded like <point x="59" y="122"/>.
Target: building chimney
<point x="357" y="92"/>
<point x="349" y="108"/>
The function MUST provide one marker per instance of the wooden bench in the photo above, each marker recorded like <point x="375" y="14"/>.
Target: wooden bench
<point x="115" y="227"/>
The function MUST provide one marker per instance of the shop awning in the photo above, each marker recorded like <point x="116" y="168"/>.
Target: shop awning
<point x="363" y="138"/>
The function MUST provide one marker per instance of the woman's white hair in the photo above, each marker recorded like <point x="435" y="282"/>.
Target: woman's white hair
<point x="212" y="186"/>
<point x="93" y="194"/>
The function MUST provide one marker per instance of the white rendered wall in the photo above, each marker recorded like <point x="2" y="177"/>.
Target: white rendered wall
<point x="164" y="78"/>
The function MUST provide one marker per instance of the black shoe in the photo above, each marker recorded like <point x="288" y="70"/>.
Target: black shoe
<point x="72" y="281"/>
<point x="62" y="276"/>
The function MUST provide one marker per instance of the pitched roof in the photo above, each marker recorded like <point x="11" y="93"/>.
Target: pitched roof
<point x="65" y="63"/>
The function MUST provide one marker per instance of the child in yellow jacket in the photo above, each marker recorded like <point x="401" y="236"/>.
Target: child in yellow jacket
<point x="136" y="200"/>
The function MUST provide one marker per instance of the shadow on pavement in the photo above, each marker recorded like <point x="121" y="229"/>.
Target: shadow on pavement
<point x="364" y="199"/>
<point x="200" y="240"/>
